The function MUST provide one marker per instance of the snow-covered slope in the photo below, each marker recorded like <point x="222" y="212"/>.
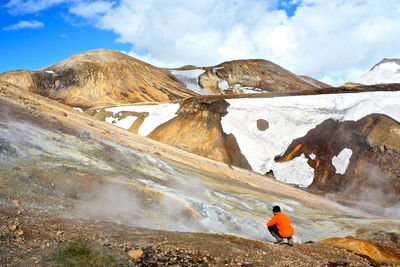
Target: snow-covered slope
<point x="190" y="78"/>
<point x="292" y="117"/>
<point x="288" y="118"/>
<point x="386" y="71"/>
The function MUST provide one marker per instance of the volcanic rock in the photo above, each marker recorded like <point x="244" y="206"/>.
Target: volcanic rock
<point x="135" y="254"/>
<point x="373" y="152"/>
<point x="198" y="129"/>
<point x="376" y="252"/>
<point x="262" y="75"/>
<point x="244" y="77"/>
<point x="100" y="78"/>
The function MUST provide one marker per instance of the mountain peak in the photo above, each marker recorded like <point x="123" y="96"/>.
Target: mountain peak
<point x="387" y="60"/>
<point x="385" y="71"/>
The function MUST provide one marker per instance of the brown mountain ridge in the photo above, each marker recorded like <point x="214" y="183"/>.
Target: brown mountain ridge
<point x="100" y="77"/>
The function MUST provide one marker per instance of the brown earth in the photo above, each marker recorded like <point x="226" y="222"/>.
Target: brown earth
<point x="46" y="233"/>
<point x="261" y="74"/>
<point x="376" y="252"/>
<point x="375" y="144"/>
<point x="198" y="129"/>
<point x="98" y="78"/>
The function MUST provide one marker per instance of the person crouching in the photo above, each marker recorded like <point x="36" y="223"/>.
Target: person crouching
<point x="280" y="227"/>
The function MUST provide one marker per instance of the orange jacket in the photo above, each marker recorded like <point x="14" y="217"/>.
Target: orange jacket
<point x="282" y="221"/>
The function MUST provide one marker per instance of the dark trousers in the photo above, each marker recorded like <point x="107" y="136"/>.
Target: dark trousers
<point x="273" y="229"/>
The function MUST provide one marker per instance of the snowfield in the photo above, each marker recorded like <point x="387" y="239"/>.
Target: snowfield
<point x="289" y="118"/>
<point x="292" y="117"/>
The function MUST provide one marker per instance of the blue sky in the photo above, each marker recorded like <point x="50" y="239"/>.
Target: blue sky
<point x="332" y="40"/>
<point x="60" y="37"/>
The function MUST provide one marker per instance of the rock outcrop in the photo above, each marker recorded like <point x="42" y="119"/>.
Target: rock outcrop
<point x="378" y="253"/>
<point x="100" y="78"/>
<point x="244" y="76"/>
<point x="198" y="129"/>
<point x="356" y="158"/>
<point x="261" y="75"/>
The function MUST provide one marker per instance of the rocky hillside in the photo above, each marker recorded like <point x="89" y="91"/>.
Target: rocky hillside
<point x="244" y="76"/>
<point x="385" y="71"/>
<point x="99" y="78"/>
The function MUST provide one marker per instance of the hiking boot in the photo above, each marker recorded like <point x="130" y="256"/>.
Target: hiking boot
<point x="279" y="240"/>
<point x="290" y="241"/>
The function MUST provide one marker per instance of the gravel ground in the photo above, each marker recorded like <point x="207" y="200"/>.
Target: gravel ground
<point x="29" y="237"/>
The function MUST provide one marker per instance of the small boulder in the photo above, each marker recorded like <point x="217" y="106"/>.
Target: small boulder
<point x="135" y="254"/>
<point x="60" y="232"/>
<point x="13" y="227"/>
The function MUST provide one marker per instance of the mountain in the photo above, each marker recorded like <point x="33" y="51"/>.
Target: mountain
<point x="244" y="76"/>
<point x="265" y="131"/>
<point x="385" y="71"/>
<point x="100" y="78"/>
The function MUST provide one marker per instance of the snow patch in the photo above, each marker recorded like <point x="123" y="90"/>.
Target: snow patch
<point x="342" y="160"/>
<point x="158" y="114"/>
<point x="78" y="109"/>
<point x="190" y="79"/>
<point x="125" y="123"/>
<point x="223" y="85"/>
<point x="295" y="171"/>
<point x="49" y="71"/>
<point x="312" y="156"/>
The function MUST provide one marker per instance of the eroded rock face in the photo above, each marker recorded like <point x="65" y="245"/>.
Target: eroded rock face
<point x="356" y="158"/>
<point x="198" y="129"/>
<point x="100" y="78"/>
<point x="378" y="253"/>
<point x="258" y="75"/>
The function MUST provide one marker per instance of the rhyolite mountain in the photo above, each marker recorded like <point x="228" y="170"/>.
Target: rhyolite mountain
<point x="104" y="77"/>
<point x="99" y="78"/>
<point x="385" y="71"/>
<point x="244" y="76"/>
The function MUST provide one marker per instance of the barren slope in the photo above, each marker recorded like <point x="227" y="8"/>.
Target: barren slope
<point x="98" y="78"/>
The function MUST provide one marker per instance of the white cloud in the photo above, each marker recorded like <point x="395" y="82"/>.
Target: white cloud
<point x="91" y="9"/>
<point x="34" y="24"/>
<point x="333" y="39"/>
<point x="32" y="6"/>
<point x="323" y="39"/>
